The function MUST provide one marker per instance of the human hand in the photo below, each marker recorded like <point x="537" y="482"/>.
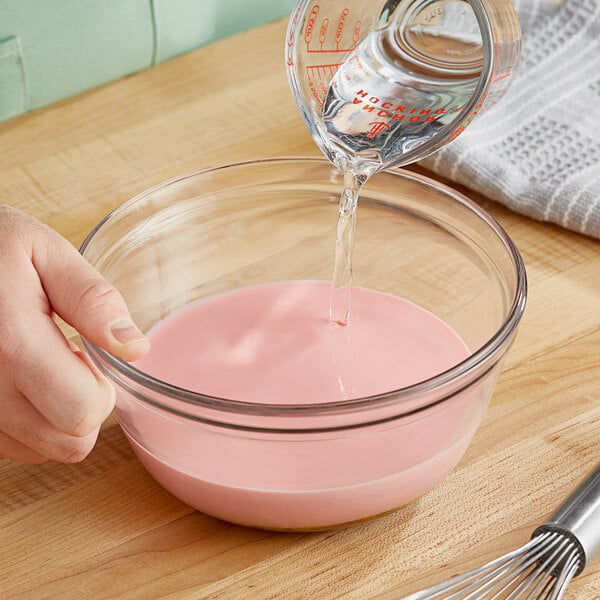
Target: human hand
<point x="53" y="399"/>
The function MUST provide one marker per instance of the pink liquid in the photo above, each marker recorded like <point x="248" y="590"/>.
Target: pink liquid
<point x="274" y="344"/>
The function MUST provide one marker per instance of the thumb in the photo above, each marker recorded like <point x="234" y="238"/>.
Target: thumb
<point x="86" y="300"/>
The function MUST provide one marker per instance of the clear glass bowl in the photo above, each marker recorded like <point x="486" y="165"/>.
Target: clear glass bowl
<point x="272" y="220"/>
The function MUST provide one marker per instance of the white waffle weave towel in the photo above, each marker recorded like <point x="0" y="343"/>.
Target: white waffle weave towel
<point x="538" y="150"/>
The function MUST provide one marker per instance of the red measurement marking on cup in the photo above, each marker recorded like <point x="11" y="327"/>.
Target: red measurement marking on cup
<point x="323" y="32"/>
<point x="324" y="28"/>
<point x="319" y="77"/>
<point x="340" y="26"/>
<point x="321" y="71"/>
<point x="377" y="128"/>
<point x="289" y="54"/>
<point x="310" y="23"/>
<point x="356" y="32"/>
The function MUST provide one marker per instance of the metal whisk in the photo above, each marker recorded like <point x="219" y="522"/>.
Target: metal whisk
<point x="541" y="569"/>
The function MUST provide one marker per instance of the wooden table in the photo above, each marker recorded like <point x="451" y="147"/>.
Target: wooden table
<point x="103" y="529"/>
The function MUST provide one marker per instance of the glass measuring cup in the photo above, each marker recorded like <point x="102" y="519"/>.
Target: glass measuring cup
<point x="386" y="83"/>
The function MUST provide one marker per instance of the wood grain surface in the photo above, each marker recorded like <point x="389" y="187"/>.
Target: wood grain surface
<point x="102" y="529"/>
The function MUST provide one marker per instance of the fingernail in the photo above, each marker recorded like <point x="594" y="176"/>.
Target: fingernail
<point x="126" y="333"/>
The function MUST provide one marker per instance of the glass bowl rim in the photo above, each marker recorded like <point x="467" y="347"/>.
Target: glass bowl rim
<point x="462" y="370"/>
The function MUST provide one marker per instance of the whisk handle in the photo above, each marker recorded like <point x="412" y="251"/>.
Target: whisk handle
<point x="578" y="518"/>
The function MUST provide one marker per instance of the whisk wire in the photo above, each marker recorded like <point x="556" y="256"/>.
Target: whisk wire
<point x="466" y="581"/>
<point x="506" y="576"/>
<point x="519" y="576"/>
<point x="539" y="570"/>
<point x="539" y="581"/>
<point x="531" y="584"/>
<point x="571" y="569"/>
<point x="469" y="581"/>
<point x="488" y="579"/>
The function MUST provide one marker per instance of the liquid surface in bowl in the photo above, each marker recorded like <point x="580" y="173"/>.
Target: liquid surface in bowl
<point x="274" y="344"/>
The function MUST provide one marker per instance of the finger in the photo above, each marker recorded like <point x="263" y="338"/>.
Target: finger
<point x="61" y="384"/>
<point x="23" y="427"/>
<point x="86" y="300"/>
<point x="11" y="449"/>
